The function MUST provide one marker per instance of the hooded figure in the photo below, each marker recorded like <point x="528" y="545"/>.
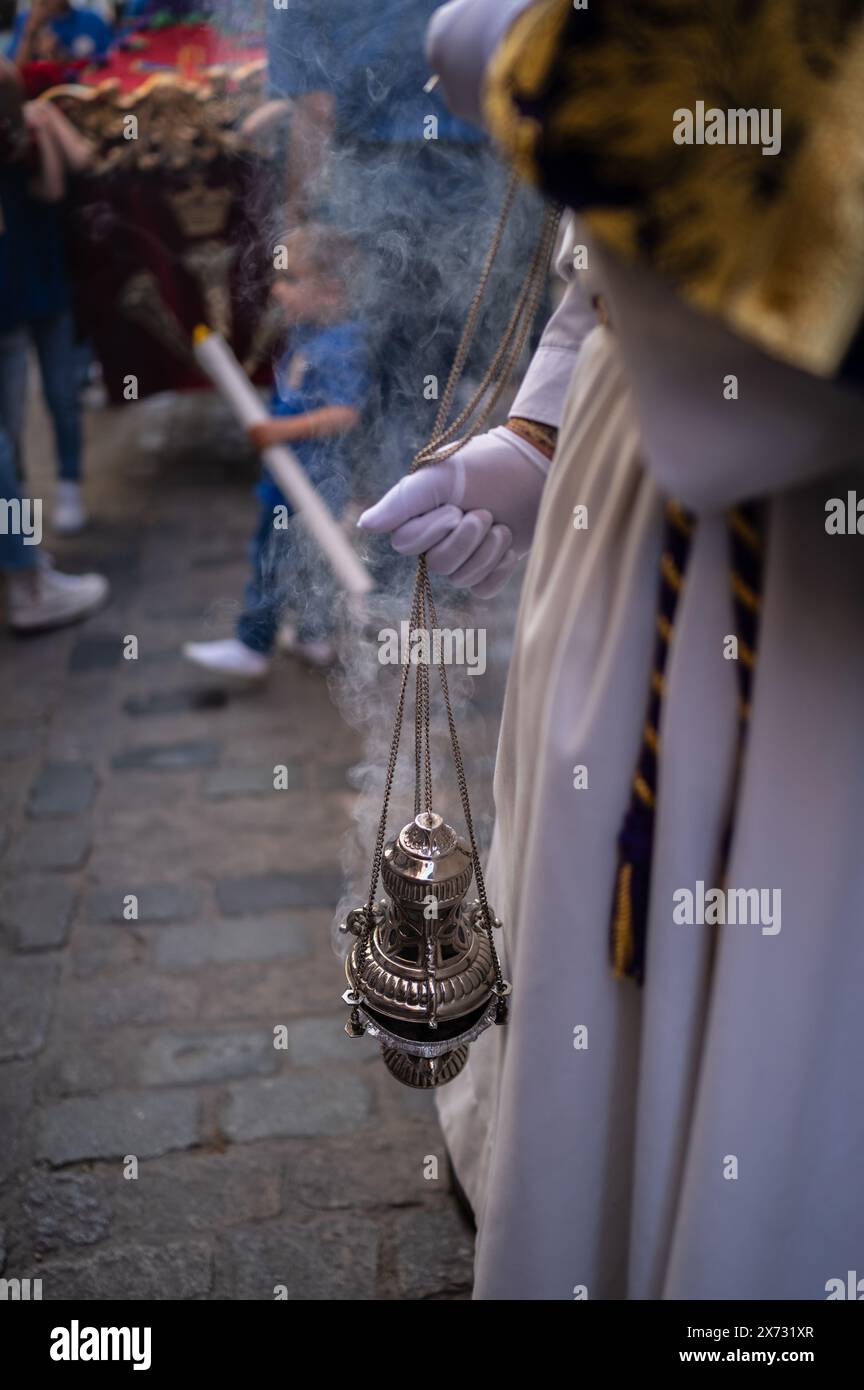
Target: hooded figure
<point x="674" y="1110"/>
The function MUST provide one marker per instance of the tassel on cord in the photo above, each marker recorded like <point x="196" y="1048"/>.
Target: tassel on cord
<point x="622" y="921"/>
<point x="630" y="900"/>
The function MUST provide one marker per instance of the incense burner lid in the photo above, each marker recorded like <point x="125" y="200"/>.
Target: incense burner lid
<point x="428" y="836"/>
<point x="426" y="857"/>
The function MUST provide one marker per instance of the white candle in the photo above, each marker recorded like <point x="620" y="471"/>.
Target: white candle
<point x="215" y="357"/>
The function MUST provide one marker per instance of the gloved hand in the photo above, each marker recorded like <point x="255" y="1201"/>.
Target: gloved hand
<point x="473" y="514"/>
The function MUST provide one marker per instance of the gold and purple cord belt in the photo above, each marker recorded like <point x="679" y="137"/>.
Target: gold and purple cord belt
<point x="636" y="838"/>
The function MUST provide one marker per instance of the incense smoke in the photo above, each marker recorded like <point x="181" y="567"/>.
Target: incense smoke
<point x="422" y="218"/>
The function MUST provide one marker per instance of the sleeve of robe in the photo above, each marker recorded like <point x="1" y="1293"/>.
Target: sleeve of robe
<point x="545" y="385"/>
<point x="460" y="40"/>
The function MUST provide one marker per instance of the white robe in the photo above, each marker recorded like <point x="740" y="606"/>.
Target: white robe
<point x="608" y="1172"/>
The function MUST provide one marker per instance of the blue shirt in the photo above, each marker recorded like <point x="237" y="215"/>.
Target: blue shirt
<point x="370" y="54"/>
<point x="321" y="366"/>
<point x="82" y="33"/>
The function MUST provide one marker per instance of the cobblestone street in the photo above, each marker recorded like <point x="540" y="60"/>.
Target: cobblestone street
<point x="304" y="1167"/>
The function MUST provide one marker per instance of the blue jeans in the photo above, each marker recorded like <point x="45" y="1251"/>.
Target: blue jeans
<point x="15" y="554"/>
<point x="13" y="394"/>
<point x="288" y="571"/>
<point x="58" y="353"/>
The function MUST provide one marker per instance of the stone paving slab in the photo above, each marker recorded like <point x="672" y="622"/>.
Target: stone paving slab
<point x="182" y="1058"/>
<point x="136" y="996"/>
<point x="154" y="902"/>
<point x="37" y="912"/>
<point x="17" y="1106"/>
<point x="62" y="789"/>
<point x="432" y="1251"/>
<point x="391" y="1170"/>
<point x="64" y="845"/>
<point x="26" y="996"/>
<point x="131" y="1272"/>
<point x="15" y="781"/>
<point x="168" y="757"/>
<point x="143" y="1124"/>
<point x="325" y="1261"/>
<point x="272" y="937"/>
<point x="21" y="739"/>
<point x="226" y="782"/>
<point x="327" y="1103"/>
<point x="261" y="892"/>
<point x="106" y="951"/>
<point x="277" y="992"/>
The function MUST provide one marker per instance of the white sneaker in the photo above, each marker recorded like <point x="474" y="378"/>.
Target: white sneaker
<point x="94" y="395"/>
<point x="230" y="658"/>
<point x="320" y="653"/>
<point x="69" y="515"/>
<point x="45" y="598"/>
<point x="286" y="637"/>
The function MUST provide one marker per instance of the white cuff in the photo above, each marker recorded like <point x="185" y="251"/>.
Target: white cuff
<point x="460" y="41"/>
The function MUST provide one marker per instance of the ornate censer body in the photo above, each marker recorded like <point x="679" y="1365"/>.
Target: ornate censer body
<point x="423" y="979"/>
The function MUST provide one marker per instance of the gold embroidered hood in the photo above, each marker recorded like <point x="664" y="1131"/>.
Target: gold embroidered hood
<point x="586" y="103"/>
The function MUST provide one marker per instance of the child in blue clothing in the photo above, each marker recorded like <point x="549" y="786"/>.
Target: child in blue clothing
<point x="320" y="388"/>
<point x="52" y="29"/>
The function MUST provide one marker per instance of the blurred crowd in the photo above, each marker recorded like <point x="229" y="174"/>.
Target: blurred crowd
<point x="375" y="228"/>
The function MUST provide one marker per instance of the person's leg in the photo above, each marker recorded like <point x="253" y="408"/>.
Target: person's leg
<point x="248" y="653"/>
<point x="59" y="363"/>
<point x="20" y="522"/>
<point x="14" y="347"/>
<point x="313" y="581"/>
<point x="38" y="596"/>
<point x="259" y="620"/>
<point x="287" y="566"/>
<point x="56" y="347"/>
<point x="83" y="359"/>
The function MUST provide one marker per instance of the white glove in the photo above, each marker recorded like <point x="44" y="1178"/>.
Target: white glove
<point x="473" y="514"/>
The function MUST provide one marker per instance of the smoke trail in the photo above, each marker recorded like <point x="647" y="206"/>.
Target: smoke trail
<point x="420" y="201"/>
